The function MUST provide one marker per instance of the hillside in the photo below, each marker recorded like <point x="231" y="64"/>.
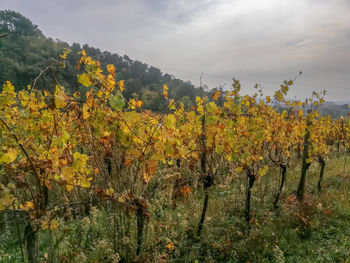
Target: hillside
<point x="25" y="52"/>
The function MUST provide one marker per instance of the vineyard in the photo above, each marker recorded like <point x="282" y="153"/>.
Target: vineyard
<point x="92" y="177"/>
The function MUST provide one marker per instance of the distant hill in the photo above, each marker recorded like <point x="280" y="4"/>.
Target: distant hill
<point x="334" y="110"/>
<point x="328" y="108"/>
<point x="342" y="102"/>
<point x="25" y="52"/>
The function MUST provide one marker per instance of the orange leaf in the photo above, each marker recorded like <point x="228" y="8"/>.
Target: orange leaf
<point x="186" y="191"/>
<point x="216" y="95"/>
<point x="170" y="246"/>
<point x="128" y="161"/>
<point x="165" y="91"/>
<point x="111" y="69"/>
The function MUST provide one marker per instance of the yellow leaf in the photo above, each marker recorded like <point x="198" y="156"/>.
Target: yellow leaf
<point x="172" y="105"/>
<point x="44" y="225"/>
<point x="110" y="192"/>
<point x="86" y="113"/>
<point x="85" y="184"/>
<point x="195" y="155"/>
<point x="69" y="187"/>
<point x="12" y="155"/>
<point x="300" y="113"/>
<point x="65" y="53"/>
<point x="60" y="101"/>
<point x="135" y="104"/>
<point x="169" y="121"/>
<point x="309" y="160"/>
<point x="8" y="88"/>
<point x="262" y="171"/>
<point x="121" y="85"/>
<point x="28" y="205"/>
<point x="68" y="176"/>
<point x="84" y="80"/>
<point x="100" y="93"/>
<point x="111" y="69"/>
<point x="239" y="169"/>
<point x="54" y="224"/>
<point x="79" y="161"/>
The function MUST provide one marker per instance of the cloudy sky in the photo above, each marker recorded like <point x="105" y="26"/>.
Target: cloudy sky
<point x="255" y="41"/>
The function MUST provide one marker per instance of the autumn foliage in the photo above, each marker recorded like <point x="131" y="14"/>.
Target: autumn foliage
<point x="56" y="145"/>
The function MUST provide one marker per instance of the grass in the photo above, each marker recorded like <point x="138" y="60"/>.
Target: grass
<point x="317" y="230"/>
<point x="275" y="236"/>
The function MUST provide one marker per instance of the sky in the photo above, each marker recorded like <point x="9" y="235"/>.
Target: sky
<point x="255" y="41"/>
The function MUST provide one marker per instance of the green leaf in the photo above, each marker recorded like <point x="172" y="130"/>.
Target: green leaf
<point x="117" y="102"/>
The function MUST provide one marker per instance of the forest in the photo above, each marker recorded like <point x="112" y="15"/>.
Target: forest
<point x="107" y="159"/>
<point x="25" y="52"/>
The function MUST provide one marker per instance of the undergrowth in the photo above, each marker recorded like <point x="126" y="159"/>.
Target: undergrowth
<point x="317" y="230"/>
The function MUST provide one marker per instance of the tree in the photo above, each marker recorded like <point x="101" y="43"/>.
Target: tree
<point x="14" y="23"/>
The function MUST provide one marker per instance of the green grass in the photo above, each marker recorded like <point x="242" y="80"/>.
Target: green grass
<point x="315" y="231"/>
<point x="275" y="236"/>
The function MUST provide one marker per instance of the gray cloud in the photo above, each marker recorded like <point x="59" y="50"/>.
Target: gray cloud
<point x="263" y="41"/>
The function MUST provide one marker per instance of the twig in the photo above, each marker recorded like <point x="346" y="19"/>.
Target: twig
<point x="38" y="77"/>
<point x="29" y="160"/>
<point x="132" y="207"/>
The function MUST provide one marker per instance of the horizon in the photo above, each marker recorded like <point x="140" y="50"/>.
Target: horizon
<point x="185" y="39"/>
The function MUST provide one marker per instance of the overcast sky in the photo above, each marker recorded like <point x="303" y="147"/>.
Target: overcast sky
<point x="255" y="41"/>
